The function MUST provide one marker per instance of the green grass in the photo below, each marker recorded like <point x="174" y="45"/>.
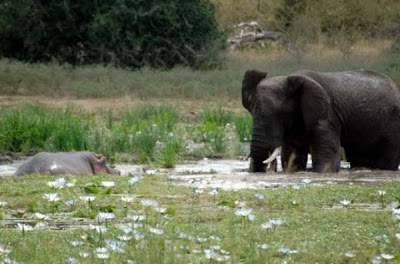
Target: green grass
<point x="220" y="86"/>
<point x="316" y="225"/>
<point x="150" y="134"/>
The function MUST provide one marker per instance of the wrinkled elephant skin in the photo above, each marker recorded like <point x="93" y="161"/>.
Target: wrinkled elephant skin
<point x="72" y="163"/>
<point x="320" y="112"/>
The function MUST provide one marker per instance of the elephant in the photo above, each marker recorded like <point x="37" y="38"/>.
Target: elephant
<point x="320" y="112"/>
<point x="72" y="163"/>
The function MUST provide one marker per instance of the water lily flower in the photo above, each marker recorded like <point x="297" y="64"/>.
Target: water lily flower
<point x="157" y="231"/>
<point x="350" y="254"/>
<point x="70" y="202"/>
<point x="24" y="228"/>
<point x="59" y="183"/>
<point x="102" y="253"/>
<point x="387" y="256"/>
<point x="114" y="245"/>
<point x="287" y="251"/>
<point x="148" y="202"/>
<point x="161" y="210"/>
<point x="52" y="197"/>
<point x="213" y="192"/>
<point x="133" y="180"/>
<point x="99" y="229"/>
<point x="84" y="254"/>
<point x="41" y="216"/>
<point x="124" y="238"/>
<point x="263" y="246"/>
<point x="137" y="218"/>
<point x="260" y="196"/>
<point x="108" y="184"/>
<point x="381" y="193"/>
<point x="246" y="212"/>
<point x="127" y="199"/>
<point x="72" y="260"/>
<point x="88" y="198"/>
<point x="41" y="226"/>
<point x="76" y="243"/>
<point x="104" y="216"/>
<point x="345" y="202"/>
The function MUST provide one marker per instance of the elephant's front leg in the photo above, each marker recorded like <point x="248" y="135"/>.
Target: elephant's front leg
<point x="325" y="148"/>
<point x="294" y="159"/>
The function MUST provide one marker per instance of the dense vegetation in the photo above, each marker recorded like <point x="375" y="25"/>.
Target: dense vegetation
<point x="137" y="33"/>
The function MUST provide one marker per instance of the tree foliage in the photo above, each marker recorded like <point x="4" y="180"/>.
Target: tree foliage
<point x="128" y="33"/>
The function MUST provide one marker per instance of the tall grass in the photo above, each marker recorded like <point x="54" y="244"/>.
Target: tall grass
<point x="219" y="86"/>
<point x="141" y="134"/>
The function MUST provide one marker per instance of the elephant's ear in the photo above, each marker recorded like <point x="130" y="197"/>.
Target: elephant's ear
<point x="249" y="84"/>
<point x="314" y="100"/>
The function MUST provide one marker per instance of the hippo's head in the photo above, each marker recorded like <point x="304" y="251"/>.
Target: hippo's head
<point x="99" y="166"/>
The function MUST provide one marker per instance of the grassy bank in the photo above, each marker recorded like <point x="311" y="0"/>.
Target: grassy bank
<point x="53" y="80"/>
<point x="153" y="134"/>
<point x="154" y="221"/>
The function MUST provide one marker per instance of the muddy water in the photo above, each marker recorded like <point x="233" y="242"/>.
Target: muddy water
<point x="233" y="175"/>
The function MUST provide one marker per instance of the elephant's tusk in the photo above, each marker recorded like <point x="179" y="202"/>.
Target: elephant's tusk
<point x="273" y="156"/>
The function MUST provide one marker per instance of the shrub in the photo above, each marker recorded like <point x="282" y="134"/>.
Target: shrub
<point x="128" y="33"/>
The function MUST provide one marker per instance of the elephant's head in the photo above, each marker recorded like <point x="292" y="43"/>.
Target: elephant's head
<point x="282" y="107"/>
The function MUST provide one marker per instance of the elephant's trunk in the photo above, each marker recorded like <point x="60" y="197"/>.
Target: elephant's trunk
<point x="259" y="150"/>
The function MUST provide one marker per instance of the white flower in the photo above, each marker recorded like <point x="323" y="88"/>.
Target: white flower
<point x="59" y="183"/>
<point x="115" y="245"/>
<point x="198" y="191"/>
<point x="124" y="238"/>
<point x="84" y="254"/>
<point x="276" y="222"/>
<point x="137" y="218"/>
<point x="244" y="212"/>
<point x="41" y="216"/>
<point x="213" y="192"/>
<point x="376" y="260"/>
<point x="88" y="198"/>
<point x="125" y="228"/>
<point x="260" y="196"/>
<point x="266" y="225"/>
<point x="133" y="180"/>
<point x="381" y="193"/>
<point x="52" y="197"/>
<point x="138" y="236"/>
<point x="345" y="202"/>
<point x="24" y="228"/>
<point x="157" y="231"/>
<point x="72" y="260"/>
<point x="387" y="256"/>
<point x="108" y="184"/>
<point x="284" y="250"/>
<point x="397" y="235"/>
<point x="306" y="181"/>
<point x="148" y="202"/>
<point x="71" y="202"/>
<point x="102" y="253"/>
<point x="99" y="229"/>
<point x="104" y="216"/>
<point x="3" y="203"/>
<point x="161" y="210"/>
<point x="395" y="211"/>
<point x="127" y="199"/>
<point x="76" y="243"/>
<point x="70" y="184"/>
<point x="41" y="226"/>
<point x="201" y="239"/>
<point x="251" y="217"/>
<point x="263" y="246"/>
<point x="350" y="254"/>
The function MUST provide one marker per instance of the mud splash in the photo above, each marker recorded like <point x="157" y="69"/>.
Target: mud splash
<point x="233" y="175"/>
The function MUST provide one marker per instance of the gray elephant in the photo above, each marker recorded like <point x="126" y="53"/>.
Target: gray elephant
<point x="74" y="163"/>
<point x="316" y="112"/>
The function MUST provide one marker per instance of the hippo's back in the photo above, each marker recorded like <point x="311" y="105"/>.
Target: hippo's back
<point x="74" y="163"/>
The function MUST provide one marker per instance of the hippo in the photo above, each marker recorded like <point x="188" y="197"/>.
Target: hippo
<point x="73" y="163"/>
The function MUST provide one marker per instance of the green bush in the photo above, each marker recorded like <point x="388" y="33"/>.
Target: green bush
<point x="125" y="33"/>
